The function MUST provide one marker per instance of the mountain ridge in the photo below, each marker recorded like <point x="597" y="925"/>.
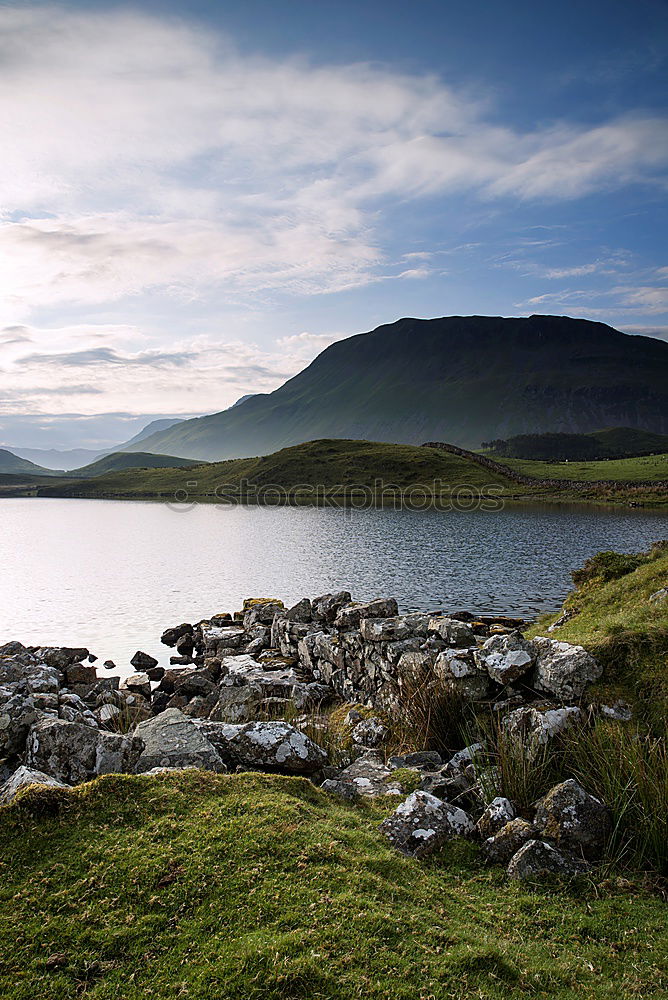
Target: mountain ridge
<point x="463" y="379"/>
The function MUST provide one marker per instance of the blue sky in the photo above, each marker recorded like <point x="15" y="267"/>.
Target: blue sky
<point x="196" y="199"/>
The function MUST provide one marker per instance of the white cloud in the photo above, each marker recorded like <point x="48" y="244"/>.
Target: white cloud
<point x="141" y="153"/>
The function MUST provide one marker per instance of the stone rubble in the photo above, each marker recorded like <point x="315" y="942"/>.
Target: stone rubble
<point x="235" y="678"/>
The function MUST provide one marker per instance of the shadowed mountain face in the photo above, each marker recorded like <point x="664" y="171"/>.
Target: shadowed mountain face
<point x="11" y="464"/>
<point x="457" y="379"/>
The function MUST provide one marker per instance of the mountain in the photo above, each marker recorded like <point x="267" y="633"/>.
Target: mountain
<point x="51" y="458"/>
<point x="462" y="379"/>
<point x="11" y="464"/>
<point x="249" y="395"/>
<point x="118" y="461"/>
<point x="155" y="427"/>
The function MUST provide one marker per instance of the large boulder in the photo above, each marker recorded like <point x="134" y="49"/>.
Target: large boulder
<point x="171" y="739"/>
<point x="506" y="657"/>
<point x="423" y="823"/>
<point x="22" y="778"/>
<point x="354" y="615"/>
<point x="534" y="727"/>
<point x="537" y="859"/>
<point x="459" y="672"/>
<point x="18" y="713"/>
<point x="367" y="777"/>
<point x="452" y="631"/>
<point x="264" y="746"/>
<point x="563" y="670"/>
<point x="74" y="753"/>
<point x="574" y="819"/>
<point x="326" y="607"/>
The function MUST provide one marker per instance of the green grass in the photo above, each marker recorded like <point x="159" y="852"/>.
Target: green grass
<point x="330" y="463"/>
<point x="616" y="621"/>
<point x="335" y="466"/>
<point x="196" y="885"/>
<point x="647" y="468"/>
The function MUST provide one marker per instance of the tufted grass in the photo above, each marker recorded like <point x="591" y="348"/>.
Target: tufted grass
<point x="195" y="885"/>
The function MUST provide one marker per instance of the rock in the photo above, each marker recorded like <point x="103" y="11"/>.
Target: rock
<point x="423" y="823"/>
<point x="73" y="709"/>
<point x="258" y="611"/>
<point x="498" y="813"/>
<point x="382" y="629"/>
<point x="351" y="615"/>
<point x="301" y="611"/>
<point x="171" y="635"/>
<point x="535" y="727"/>
<point x="265" y="746"/>
<point x="537" y="859"/>
<point x="563" y="670"/>
<point x="142" y="661"/>
<point x="452" y="631"/>
<point x="155" y="673"/>
<point x="61" y="657"/>
<point x="138" y="684"/>
<point x="194" y="683"/>
<point x="620" y="711"/>
<point x="421" y="759"/>
<point x="574" y="819"/>
<point x="109" y="665"/>
<point x="506" y="657"/>
<point x="506" y="842"/>
<point x="173" y="740"/>
<point x="326" y="607"/>
<point x="659" y="596"/>
<point x="367" y="777"/>
<point x="237" y="703"/>
<point x="24" y="777"/>
<point x="74" y="753"/>
<point x="18" y="712"/>
<point x="92" y="658"/>
<point x="80" y="673"/>
<point x="106" y="715"/>
<point x="370" y="733"/>
<point x="185" y="644"/>
<point x="458" y="671"/>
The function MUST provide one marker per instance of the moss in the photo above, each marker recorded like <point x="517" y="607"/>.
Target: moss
<point x="407" y="778"/>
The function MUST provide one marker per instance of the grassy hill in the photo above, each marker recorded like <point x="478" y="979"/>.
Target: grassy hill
<point x="262" y="887"/>
<point x="12" y="465"/>
<point x="458" y="379"/>
<point x="326" y="463"/>
<point x="120" y="460"/>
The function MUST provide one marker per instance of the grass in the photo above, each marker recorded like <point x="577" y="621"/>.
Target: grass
<point x="615" y="620"/>
<point x="335" y="467"/>
<point x="261" y="887"/>
<point x="628" y="470"/>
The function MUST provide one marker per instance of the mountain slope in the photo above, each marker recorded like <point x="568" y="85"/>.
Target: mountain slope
<point x="52" y="458"/>
<point x="120" y="460"/>
<point x="11" y="464"/>
<point x="457" y="379"/>
<point x="155" y="427"/>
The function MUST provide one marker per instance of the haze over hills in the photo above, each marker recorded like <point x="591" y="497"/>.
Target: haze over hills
<point x="11" y="464"/>
<point x="55" y="460"/>
<point x="118" y="461"/>
<point x="457" y="379"/>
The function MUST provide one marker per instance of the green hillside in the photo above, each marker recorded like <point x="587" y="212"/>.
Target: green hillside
<point x="326" y="463"/>
<point x="458" y="379"/>
<point x="12" y="465"/>
<point x="262" y="887"/>
<point x="120" y="460"/>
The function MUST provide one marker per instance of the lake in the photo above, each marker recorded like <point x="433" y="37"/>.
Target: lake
<point x="111" y="575"/>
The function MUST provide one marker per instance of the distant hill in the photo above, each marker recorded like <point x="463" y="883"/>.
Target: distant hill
<point x="615" y="442"/>
<point x="154" y="427"/>
<point x="458" y="379"/>
<point x="11" y="464"/>
<point x="325" y="463"/>
<point x="56" y="460"/>
<point x="118" y="461"/>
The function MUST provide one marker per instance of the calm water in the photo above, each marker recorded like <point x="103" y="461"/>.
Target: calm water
<point x="112" y="575"/>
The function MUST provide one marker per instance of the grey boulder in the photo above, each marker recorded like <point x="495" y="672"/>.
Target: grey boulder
<point x="574" y="819"/>
<point x="422" y="824"/>
<point x="24" y="777"/>
<point x="506" y="657"/>
<point x="537" y="860"/>
<point x="265" y="746"/>
<point x="74" y="753"/>
<point x="171" y="739"/>
<point x="563" y="670"/>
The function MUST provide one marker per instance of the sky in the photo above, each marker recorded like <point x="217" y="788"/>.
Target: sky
<point x="196" y="199"/>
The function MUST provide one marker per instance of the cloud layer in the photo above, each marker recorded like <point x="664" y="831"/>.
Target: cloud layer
<point x="142" y="156"/>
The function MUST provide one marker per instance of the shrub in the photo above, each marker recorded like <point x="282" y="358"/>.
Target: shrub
<point x="606" y="566"/>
